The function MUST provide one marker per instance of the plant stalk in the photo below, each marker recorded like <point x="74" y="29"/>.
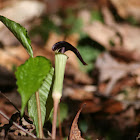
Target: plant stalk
<point x="56" y="103"/>
<point x="39" y="116"/>
<point x="60" y="63"/>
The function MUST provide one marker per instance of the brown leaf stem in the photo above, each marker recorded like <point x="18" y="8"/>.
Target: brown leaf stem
<point x="39" y="116"/>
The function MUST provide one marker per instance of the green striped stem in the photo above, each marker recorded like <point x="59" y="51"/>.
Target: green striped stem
<point x="60" y="63"/>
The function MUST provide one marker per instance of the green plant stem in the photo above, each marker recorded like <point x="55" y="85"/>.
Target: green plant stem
<point x="60" y="127"/>
<point x="60" y="63"/>
<point x="56" y="103"/>
<point x="39" y="115"/>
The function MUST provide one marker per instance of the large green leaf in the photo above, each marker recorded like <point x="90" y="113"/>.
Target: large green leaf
<point x="30" y="76"/>
<point x="19" y="32"/>
<point x="43" y="96"/>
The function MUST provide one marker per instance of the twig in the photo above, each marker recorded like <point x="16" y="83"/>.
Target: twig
<point x="18" y="126"/>
<point x="10" y="101"/>
<point x="39" y="116"/>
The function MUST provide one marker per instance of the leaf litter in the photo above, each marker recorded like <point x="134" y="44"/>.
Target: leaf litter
<point x="118" y="67"/>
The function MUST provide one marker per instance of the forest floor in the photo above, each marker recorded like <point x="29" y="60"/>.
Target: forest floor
<point x="106" y="33"/>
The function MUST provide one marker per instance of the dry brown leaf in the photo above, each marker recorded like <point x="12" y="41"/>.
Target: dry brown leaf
<point x="75" y="133"/>
<point x="17" y="55"/>
<point x="109" y="67"/>
<point x="102" y="33"/>
<point x="20" y="9"/>
<point x="125" y="82"/>
<point x="77" y="93"/>
<point x="127" y="118"/>
<point x="12" y="56"/>
<point x="85" y="16"/>
<point x="112" y="107"/>
<point x="126" y="55"/>
<point x="108" y="17"/>
<point x="77" y="75"/>
<point x="92" y="106"/>
<point x="112" y="70"/>
<point x="127" y="8"/>
<point x="19" y="12"/>
<point x="130" y="37"/>
<point x="128" y="34"/>
<point x="123" y="36"/>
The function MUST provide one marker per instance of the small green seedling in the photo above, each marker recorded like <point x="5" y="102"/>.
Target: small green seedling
<point x="35" y="76"/>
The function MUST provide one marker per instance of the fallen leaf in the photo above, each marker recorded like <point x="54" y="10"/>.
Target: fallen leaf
<point x="123" y="84"/>
<point x="102" y="34"/>
<point x="77" y="75"/>
<point x="75" y="133"/>
<point x="112" y="70"/>
<point x="17" y="55"/>
<point x="128" y="34"/>
<point x="7" y="127"/>
<point x="130" y="37"/>
<point x="77" y="93"/>
<point x="11" y="56"/>
<point x="127" y="8"/>
<point x="92" y="106"/>
<point x="17" y="10"/>
<point x="112" y="107"/>
<point x="127" y="118"/>
<point x="126" y="55"/>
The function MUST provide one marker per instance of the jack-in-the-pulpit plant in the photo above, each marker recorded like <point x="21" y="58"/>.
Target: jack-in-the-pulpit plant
<point x="35" y="78"/>
<point x="60" y="62"/>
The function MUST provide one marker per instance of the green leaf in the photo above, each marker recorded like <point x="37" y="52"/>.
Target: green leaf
<point x="30" y="76"/>
<point x="132" y="20"/>
<point x="96" y="16"/>
<point x="89" y="54"/>
<point x="74" y="24"/>
<point x="43" y="96"/>
<point x="90" y="50"/>
<point x="83" y="125"/>
<point x="19" y="32"/>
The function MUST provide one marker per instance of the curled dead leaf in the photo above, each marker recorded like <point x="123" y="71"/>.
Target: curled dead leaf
<point x="75" y="133"/>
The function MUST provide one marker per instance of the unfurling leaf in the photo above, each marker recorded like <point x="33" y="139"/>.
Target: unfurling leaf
<point x="19" y="32"/>
<point x="75" y="133"/>
<point x="43" y="96"/>
<point x="30" y="76"/>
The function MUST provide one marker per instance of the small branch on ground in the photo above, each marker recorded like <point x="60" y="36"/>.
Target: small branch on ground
<point x="9" y="101"/>
<point x="18" y="126"/>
